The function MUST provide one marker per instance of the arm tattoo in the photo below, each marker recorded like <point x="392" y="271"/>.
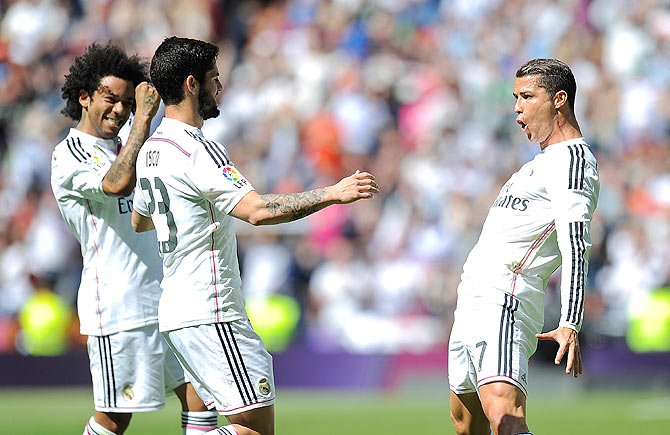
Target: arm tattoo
<point x="124" y="165"/>
<point x="294" y="205"/>
<point x="148" y="104"/>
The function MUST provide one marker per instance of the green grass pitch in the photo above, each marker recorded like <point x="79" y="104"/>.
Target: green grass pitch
<point x="65" y="411"/>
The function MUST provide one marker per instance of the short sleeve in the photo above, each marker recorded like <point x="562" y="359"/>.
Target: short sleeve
<point x="217" y="178"/>
<point x="78" y="172"/>
<point x="140" y="202"/>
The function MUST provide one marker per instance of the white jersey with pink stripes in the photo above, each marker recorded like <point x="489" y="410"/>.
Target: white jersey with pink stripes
<point x="188" y="186"/>
<point x="540" y="221"/>
<point x="120" y="278"/>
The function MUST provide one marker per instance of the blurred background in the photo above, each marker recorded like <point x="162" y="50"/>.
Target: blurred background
<point x="417" y="92"/>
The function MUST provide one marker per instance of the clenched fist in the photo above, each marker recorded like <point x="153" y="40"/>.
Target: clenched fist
<point x="147" y="100"/>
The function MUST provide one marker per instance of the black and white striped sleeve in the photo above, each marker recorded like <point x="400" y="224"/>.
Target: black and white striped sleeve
<point x="573" y="188"/>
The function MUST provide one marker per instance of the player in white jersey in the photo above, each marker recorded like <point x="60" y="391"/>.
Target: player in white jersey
<point x="92" y="178"/>
<point x="188" y="188"/>
<point x="539" y="222"/>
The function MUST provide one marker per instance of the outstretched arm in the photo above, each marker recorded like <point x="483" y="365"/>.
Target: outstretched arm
<point x="277" y="208"/>
<point x="120" y="178"/>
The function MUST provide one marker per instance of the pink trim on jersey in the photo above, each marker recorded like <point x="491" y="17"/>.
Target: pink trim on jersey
<point x="192" y="426"/>
<point x="170" y="142"/>
<point x="535" y="245"/>
<point x="245" y="406"/>
<point x="97" y="280"/>
<point x="127" y="407"/>
<point x="216" y="296"/>
<point x="207" y="405"/>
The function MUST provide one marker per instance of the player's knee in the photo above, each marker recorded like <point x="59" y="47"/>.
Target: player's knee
<point x="459" y="423"/>
<point x="467" y="426"/>
<point x="117" y="422"/>
<point x="505" y="423"/>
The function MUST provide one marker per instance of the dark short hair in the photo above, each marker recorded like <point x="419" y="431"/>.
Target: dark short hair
<point x="176" y="59"/>
<point x="87" y="70"/>
<point x="553" y="76"/>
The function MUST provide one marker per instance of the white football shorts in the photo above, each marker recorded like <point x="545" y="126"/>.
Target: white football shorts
<point x="227" y="363"/>
<point x="491" y="340"/>
<point x="132" y="371"/>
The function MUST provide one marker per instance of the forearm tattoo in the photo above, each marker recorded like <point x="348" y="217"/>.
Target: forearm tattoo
<point x="124" y="165"/>
<point x="123" y="168"/>
<point x="294" y="205"/>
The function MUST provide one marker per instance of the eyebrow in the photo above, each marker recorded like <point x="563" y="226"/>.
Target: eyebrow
<point x="524" y="91"/>
<point x="106" y="91"/>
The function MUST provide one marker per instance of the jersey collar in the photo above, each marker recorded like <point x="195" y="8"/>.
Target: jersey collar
<point x="171" y="123"/>
<point x="557" y="145"/>
<point x="113" y="145"/>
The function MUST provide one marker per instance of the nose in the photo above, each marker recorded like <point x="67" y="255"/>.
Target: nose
<point x="118" y="107"/>
<point x="219" y="86"/>
<point x="517" y="106"/>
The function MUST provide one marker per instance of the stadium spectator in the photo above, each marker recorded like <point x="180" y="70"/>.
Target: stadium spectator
<point x="437" y="72"/>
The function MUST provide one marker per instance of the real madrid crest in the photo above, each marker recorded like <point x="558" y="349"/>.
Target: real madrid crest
<point x="128" y="393"/>
<point x="264" y="387"/>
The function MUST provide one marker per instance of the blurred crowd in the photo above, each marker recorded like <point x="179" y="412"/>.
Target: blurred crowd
<point x="419" y="93"/>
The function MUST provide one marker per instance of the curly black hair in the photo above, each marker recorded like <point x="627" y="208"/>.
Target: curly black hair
<point x="177" y="58"/>
<point x="97" y="62"/>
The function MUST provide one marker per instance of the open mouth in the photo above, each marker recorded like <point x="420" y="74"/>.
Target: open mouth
<point x="522" y="124"/>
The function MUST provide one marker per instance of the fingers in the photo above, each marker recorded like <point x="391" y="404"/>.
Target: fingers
<point x="578" y="370"/>
<point x="571" y="360"/>
<point x="561" y="352"/>
<point x="545" y="336"/>
<point x="365" y="183"/>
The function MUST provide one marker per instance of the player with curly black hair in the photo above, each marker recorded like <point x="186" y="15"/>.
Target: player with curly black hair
<point x="97" y="62"/>
<point x="92" y="178"/>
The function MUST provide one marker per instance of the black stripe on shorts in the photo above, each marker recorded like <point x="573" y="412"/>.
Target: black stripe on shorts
<point x="236" y="363"/>
<point x="506" y="336"/>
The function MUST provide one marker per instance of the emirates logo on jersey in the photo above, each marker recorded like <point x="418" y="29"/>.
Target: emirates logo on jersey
<point x="230" y="173"/>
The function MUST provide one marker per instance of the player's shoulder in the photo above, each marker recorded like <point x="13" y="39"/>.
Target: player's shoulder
<point x="76" y="149"/>
<point x="210" y="151"/>
<point x="178" y="136"/>
<point x="571" y="161"/>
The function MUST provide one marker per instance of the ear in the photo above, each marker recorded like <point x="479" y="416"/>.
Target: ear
<point x="84" y="99"/>
<point x="560" y="99"/>
<point x="191" y="85"/>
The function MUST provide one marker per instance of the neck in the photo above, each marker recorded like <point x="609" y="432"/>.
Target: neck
<point x="185" y="113"/>
<point x="565" y="128"/>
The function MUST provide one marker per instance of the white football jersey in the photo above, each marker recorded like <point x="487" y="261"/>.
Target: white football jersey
<point x="120" y="280"/>
<point x="188" y="185"/>
<point x="541" y="216"/>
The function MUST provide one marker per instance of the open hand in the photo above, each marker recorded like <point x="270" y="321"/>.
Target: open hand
<point x="567" y="340"/>
<point x="357" y="186"/>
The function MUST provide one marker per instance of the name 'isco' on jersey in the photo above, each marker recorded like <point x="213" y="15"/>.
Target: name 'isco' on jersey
<point x="120" y="279"/>
<point x="540" y="219"/>
<point x="188" y="185"/>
